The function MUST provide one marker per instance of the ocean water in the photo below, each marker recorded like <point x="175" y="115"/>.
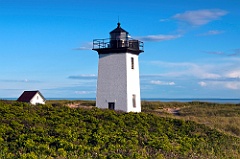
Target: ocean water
<point x="211" y="100"/>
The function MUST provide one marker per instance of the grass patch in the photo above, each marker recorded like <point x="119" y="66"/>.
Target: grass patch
<point x="223" y="117"/>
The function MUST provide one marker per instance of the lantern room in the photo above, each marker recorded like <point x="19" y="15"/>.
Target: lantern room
<point x="119" y="41"/>
<point x="119" y="33"/>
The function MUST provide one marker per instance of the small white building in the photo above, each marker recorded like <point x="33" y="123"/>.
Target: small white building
<point x="33" y="97"/>
<point x="118" y="85"/>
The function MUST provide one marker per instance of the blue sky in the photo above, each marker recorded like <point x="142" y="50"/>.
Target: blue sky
<point x="192" y="47"/>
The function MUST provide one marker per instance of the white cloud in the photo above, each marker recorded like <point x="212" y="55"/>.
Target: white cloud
<point x="85" y="92"/>
<point x="157" y="38"/>
<point x="83" y="76"/>
<point x="19" y="81"/>
<point x="217" y="73"/>
<point x="187" y="69"/>
<point x="162" y="83"/>
<point x="212" y="32"/>
<point x="164" y="20"/>
<point x="200" y="17"/>
<point x="231" y="53"/>
<point x="230" y="85"/>
<point x="233" y="85"/>
<point x="233" y="74"/>
<point x="85" y="46"/>
<point x="215" y="52"/>
<point x="205" y="75"/>
<point x="203" y="84"/>
<point x="236" y="52"/>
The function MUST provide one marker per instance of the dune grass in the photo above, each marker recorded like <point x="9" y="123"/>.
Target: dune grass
<point x="223" y="117"/>
<point x="163" y="130"/>
<point x="55" y="130"/>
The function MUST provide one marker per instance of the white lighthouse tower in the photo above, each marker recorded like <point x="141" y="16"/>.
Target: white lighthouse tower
<point x="118" y="85"/>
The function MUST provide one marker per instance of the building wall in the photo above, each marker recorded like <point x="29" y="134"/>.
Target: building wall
<point x="133" y="84"/>
<point x="37" y="99"/>
<point x="117" y="82"/>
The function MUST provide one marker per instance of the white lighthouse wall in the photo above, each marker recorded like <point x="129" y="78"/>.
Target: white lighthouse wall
<point x="112" y="84"/>
<point x="133" y="83"/>
<point x="118" y="82"/>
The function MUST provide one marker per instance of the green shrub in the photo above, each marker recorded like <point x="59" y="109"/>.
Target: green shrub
<point x="50" y="131"/>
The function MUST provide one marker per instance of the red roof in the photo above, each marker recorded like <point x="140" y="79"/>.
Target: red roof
<point x="28" y="95"/>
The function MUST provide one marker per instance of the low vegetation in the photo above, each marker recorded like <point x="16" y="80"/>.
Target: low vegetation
<point x="223" y="117"/>
<point x="55" y="130"/>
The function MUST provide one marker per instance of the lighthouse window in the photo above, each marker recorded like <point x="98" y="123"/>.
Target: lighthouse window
<point x="134" y="100"/>
<point x="132" y="62"/>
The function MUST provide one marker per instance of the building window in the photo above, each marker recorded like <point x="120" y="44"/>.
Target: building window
<point x="132" y="62"/>
<point x="134" y="100"/>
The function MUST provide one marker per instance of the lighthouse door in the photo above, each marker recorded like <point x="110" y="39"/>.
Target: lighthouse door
<point x="111" y="105"/>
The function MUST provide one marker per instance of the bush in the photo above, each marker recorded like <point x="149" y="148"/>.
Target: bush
<point x="49" y="131"/>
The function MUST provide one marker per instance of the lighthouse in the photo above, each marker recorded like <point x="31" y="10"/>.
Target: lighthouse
<point x="118" y="84"/>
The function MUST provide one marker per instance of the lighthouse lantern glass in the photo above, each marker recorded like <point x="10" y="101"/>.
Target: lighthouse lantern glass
<point x="119" y="36"/>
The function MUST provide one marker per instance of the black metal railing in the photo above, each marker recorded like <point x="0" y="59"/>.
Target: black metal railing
<point x="115" y="43"/>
